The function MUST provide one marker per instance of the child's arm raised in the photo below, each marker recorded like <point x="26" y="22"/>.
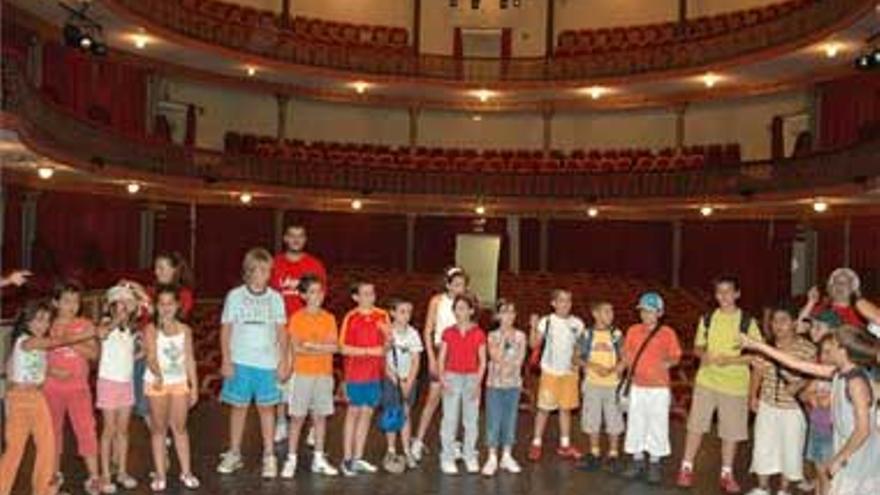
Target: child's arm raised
<point x="192" y="374"/>
<point x="806" y="367"/>
<point x="869" y="310"/>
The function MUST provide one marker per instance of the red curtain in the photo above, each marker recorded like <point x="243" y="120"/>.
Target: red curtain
<point x="172" y="231"/>
<point x="223" y="235"/>
<point x="12" y="200"/>
<point x="865" y="251"/>
<point x="640" y="249"/>
<point x="369" y="240"/>
<point x="830" y="246"/>
<point x="760" y="256"/>
<point x="101" y="90"/>
<point x="845" y="106"/>
<point x="529" y="244"/>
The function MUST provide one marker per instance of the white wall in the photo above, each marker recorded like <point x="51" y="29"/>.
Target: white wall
<point x="226" y="109"/>
<point x="317" y="121"/>
<point x="458" y="129"/>
<point x="746" y="121"/>
<point x="528" y="23"/>
<point x="382" y="12"/>
<point x="622" y="129"/>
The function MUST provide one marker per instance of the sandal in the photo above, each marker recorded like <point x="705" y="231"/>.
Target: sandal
<point x="108" y="488"/>
<point x="126" y="481"/>
<point x="157" y="485"/>
<point x="190" y="481"/>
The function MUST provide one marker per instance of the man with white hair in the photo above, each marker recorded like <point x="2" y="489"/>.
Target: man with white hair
<point x="843" y="287"/>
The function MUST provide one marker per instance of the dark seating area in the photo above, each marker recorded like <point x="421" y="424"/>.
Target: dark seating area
<point x="525" y="161"/>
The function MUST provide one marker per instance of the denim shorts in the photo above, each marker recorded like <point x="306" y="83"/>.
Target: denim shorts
<point x="363" y="394"/>
<point x="820" y="446"/>
<point x="249" y="384"/>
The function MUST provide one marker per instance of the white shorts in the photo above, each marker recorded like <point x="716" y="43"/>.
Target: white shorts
<point x="648" y="421"/>
<point x="778" y="448"/>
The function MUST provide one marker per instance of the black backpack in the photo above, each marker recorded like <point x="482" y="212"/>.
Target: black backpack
<point x="745" y="322"/>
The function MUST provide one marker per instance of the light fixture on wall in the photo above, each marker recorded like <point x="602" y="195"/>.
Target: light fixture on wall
<point x="360" y="87"/>
<point x="593" y="212"/>
<point x="133" y="187"/>
<point x="82" y="31"/>
<point x="245" y="198"/>
<point x="595" y="92"/>
<point x="820" y="206"/>
<point x="517" y="3"/>
<point x="140" y="40"/>
<point x="707" y="211"/>
<point x="711" y="79"/>
<point x="483" y="95"/>
<point x="251" y="71"/>
<point x="480" y="209"/>
<point x="831" y="49"/>
<point x="45" y="173"/>
<point x="357" y="204"/>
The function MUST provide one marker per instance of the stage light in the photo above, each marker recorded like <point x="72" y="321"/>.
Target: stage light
<point x="99" y="48"/>
<point x="593" y="212"/>
<point x="356" y="204"/>
<point x="72" y="35"/>
<point x="707" y="211"/>
<point x="710" y="79"/>
<point x="868" y="61"/>
<point x="85" y="42"/>
<point x="82" y="31"/>
<point x="133" y="187"/>
<point x="820" y="206"/>
<point x="45" y="173"/>
<point x="251" y="71"/>
<point x="245" y="198"/>
<point x="480" y="210"/>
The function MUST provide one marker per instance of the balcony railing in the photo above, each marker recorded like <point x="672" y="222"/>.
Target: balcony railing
<point x="683" y="52"/>
<point x="83" y="142"/>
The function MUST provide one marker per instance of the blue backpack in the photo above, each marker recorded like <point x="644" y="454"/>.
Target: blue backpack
<point x="586" y="343"/>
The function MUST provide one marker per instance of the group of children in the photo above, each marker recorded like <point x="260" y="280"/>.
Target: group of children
<point x="620" y="381"/>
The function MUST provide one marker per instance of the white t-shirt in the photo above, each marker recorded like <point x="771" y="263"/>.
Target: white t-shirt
<point x="117" y="356"/>
<point x="560" y="338"/>
<point x="405" y="344"/>
<point x="445" y="318"/>
<point x="254" y="318"/>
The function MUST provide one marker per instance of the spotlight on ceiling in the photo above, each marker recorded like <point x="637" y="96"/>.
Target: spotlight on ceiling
<point x="81" y="31"/>
<point x="869" y="60"/>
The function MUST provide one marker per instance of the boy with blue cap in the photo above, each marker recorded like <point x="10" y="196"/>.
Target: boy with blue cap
<point x="650" y="350"/>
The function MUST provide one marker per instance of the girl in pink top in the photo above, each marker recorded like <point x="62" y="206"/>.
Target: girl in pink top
<point x="67" y="384"/>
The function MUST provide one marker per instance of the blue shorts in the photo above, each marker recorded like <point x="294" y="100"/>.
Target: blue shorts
<point x="820" y="446"/>
<point x="248" y="384"/>
<point x="141" y="405"/>
<point x="363" y="394"/>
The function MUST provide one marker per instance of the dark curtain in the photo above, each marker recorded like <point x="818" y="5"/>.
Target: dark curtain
<point x="777" y="138"/>
<point x="639" y="249"/>
<point x="436" y="238"/>
<point x="529" y="244"/>
<point x="189" y="139"/>
<point x="457" y="44"/>
<point x="845" y="107"/>
<point x="172" y="231"/>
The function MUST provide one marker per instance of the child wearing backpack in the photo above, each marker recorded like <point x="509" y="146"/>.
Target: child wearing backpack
<point x="650" y="351"/>
<point x="599" y="354"/>
<point x="722" y="384"/>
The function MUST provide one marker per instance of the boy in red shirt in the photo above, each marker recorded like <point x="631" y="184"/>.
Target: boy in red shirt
<point x="650" y="350"/>
<point x="362" y="339"/>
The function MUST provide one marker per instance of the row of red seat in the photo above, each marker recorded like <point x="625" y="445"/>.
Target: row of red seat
<point x="470" y="160"/>
<point x="604" y="40"/>
<point x="300" y="29"/>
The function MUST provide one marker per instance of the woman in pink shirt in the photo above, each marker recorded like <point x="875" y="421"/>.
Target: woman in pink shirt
<point x="67" y="384"/>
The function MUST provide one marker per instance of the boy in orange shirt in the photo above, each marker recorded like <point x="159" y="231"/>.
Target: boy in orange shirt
<point x="650" y="350"/>
<point x="312" y="332"/>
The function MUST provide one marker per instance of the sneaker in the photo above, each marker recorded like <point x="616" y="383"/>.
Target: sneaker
<point x="108" y="488"/>
<point x="472" y="465"/>
<point x="613" y="465"/>
<point x="126" y="481"/>
<point x="289" y="469"/>
<point x="535" y="453"/>
<point x="655" y="473"/>
<point x="230" y="462"/>
<point x="189" y="481"/>
<point x="569" y="452"/>
<point x="684" y="478"/>
<point x="93" y="486"/>
<point x="491" y="466"/>
<point x="411" y="462"/>
<point x="158" y="485"/>
<point x="635" y="469"/>
<point x="759" y="491"/>
<point x="417" y="449"/>
<point x="448" y="467"/>
<point x="280" y="431"/>
<point x="509" y="464"/>
<point x="347" y="468"/>
<point x="362" y="466"/>
<point x="270" y="467"/>
<point x="320" y="465"/>
<point x="728" y="484"/>
<point x="590" y="463"/>
<point x="310" y="437"/>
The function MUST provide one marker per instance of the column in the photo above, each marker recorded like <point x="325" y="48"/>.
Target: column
<point x="282" y="102"/>
<point x="147" y="242"/>
<point x="410" y="242"/>
<point x="550" y="28"/>
<point x="847" y="241"/>
<point x="28" y="228"/>
<point x="543" y="243"/>
<point x="682" y="10"/>
<point x="414" y="114"/>
<point x="417" y="26"/>
<point x="680" y="137"/>
<point x="284" y="16"/>
<point x="192" y="235"/>
<point x="278" y="229"/>
<point x="513" y="244"/>
<point x="676" y="254"/>
<point x="547" y="144"/>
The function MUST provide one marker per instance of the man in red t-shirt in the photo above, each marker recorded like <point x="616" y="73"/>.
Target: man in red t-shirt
<point x="290" y="266"/>
<point x="287" y="270"/>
